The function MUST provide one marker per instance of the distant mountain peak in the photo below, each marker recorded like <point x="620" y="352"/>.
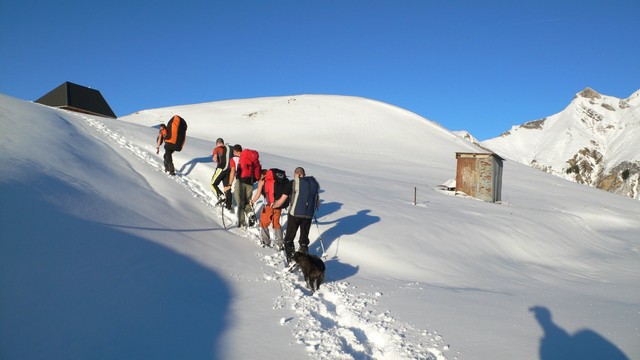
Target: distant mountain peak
<point x="589" y="93"/>
<point x="593" y="141"/>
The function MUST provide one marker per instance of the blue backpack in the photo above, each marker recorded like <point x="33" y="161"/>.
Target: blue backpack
<point x="304" y="197"/>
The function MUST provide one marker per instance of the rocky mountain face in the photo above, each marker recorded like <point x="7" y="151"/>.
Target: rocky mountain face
<point x="594" y="141"/>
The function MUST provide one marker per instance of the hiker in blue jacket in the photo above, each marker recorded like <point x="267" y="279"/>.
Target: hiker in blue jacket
<point x="304" y="194"/>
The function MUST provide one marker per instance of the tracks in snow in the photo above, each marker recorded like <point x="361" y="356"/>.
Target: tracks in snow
<point x="338" y="321"/>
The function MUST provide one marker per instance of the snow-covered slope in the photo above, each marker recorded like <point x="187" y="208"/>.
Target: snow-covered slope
<point x="105" y="256"/>
<point x="323" y="128"/>
<point x="593" y="141"/>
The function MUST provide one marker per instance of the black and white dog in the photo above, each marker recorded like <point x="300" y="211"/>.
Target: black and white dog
<point x="312" y="268"/>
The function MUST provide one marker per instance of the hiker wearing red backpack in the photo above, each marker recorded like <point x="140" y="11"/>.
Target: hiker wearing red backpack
<point x="271" y="185"/>
<point x="246" y="172"/>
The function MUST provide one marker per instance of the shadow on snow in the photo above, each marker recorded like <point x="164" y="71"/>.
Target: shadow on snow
<point x="586" y="344"/>
<point x="76" y="289"/>
<point x="191" y="164"/>
<point x="347" y="225"/>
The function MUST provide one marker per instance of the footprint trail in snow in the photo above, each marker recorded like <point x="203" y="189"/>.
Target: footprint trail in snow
<point x="338" y="321"/>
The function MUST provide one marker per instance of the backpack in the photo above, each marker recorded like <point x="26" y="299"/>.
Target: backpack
<point x="249" y="165"/>
<point x="275" y="184"/>
<point x="224" y="157"/>
<point x="176" y="132"/>
<point x="304" y="197"/>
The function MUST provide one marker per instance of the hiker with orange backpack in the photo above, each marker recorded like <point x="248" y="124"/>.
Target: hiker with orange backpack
<point x="271" y="185"/>
<point x="161" y="135"/>
<point x="174" y="141"/>
<point x="245" y="171"/>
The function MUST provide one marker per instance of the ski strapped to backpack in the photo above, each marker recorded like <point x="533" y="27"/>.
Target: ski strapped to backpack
<point x="249" y="165"/>
<point x="305" y="199"/>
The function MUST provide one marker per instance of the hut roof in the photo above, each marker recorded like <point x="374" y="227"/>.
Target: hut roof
<point x="78" y="98"/>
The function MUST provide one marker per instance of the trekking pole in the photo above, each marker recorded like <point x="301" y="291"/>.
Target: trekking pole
<point x="222" y="216"/>
<point x="324" y="253"/>
<point x="253" y="211"/>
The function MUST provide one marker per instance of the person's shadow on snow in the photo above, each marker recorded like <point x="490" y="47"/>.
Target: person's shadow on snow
<point x="348" y="225"/>
<point x="586" y="344"/>
<point x="327" y="208"/>
<point x="193" y="162"/>
<point x="337" y="271"/>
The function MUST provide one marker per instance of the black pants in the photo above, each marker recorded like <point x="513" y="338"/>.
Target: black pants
<point x="224" y="177"/>
<point x="293" y="223"/>
<point x="168" y="158"/>
<point x="220" y="176"/>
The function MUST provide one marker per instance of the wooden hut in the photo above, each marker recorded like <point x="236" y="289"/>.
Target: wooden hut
<point x="479" y="175"/>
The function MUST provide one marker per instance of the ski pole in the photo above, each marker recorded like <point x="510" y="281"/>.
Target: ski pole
<point x="222" y="216"/>
<point x="253" y="211"/>
<point x="324" y="253"/>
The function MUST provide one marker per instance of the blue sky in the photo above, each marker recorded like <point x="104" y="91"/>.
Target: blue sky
<point x="480" y="66"/>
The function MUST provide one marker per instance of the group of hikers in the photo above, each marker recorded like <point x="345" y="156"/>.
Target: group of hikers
<point x="238" y="170"/>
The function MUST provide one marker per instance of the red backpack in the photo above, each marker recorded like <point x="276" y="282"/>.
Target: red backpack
<point x="249" y="165"/>
<point x="275" y="183"/>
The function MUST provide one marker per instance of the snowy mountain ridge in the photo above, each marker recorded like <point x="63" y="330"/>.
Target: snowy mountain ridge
<point x="593" y="141"/>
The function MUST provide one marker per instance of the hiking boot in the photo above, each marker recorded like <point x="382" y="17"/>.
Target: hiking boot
<point x="288" y="251"/>
<point x="264" y="236"/>
<point x="279" y="237"/>
<point x="303" y="249"/>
